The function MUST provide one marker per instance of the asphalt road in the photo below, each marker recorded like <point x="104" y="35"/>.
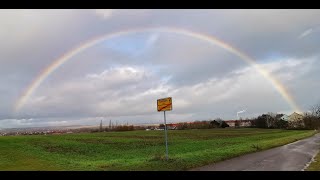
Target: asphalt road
<point x="291" y="157"/>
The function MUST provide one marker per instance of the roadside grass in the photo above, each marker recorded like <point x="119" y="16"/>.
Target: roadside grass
<point x="138" y="150"/>
<point x="315" y="165"/>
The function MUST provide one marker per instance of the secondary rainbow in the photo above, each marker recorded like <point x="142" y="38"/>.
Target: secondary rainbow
<point x="201" y="36"/>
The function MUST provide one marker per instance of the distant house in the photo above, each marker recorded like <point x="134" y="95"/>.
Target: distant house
<point x="295" y="117"/>
<point x="231" y="123"/>
<point x="245" y="123"/>
<point x="295" y="120"/>
<point x="242" y="123"/>
<point x="172" y="126"/>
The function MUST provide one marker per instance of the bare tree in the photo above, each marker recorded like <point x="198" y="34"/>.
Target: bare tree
<point x="311" y="119"/>
<point x="271" y="119"/>
<point x="315" y="110"/>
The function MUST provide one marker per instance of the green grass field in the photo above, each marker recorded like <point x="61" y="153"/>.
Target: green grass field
<point x="315" y="165"/>
<point x="137" y="150"/>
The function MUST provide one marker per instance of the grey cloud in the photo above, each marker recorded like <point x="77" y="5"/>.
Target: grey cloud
<point x="222" y="96"/>
<point x="204" y="79"/>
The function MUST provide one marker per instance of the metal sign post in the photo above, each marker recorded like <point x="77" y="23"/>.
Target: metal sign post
<point x="166" y="134"/>
<point x="164" y="105"/>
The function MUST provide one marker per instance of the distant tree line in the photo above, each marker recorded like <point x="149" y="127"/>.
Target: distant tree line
<point x="217" y="123"/>
<point x="269" y="120"/>
<point x="310" y="120"/>
<point x="115" y="127"/>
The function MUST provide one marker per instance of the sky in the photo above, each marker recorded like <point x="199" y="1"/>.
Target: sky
<point x="120" y="78"/>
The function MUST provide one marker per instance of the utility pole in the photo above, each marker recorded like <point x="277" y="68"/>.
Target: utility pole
<point x="166" y="134"/>
<point x="165" y="104"/>
<point x="101" y="126"/>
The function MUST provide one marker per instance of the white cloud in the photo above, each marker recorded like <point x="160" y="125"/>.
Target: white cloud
<point x="129" y="14"/>
<point x="118" y="76"/>
<point x="306" y="33"/>
<point x="287" y="69"/>
<point x="105" y="13"/>
<point x="123" y="91"/>
<point x="152" y="39"/>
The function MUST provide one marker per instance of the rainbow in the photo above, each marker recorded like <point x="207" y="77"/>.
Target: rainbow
<point x="204" y="37"/>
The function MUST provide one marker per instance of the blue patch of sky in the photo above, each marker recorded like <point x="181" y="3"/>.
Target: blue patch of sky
<point x="134" y="47"/>
<point x="128" y="44"/>
<point x="273" y="57"/>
